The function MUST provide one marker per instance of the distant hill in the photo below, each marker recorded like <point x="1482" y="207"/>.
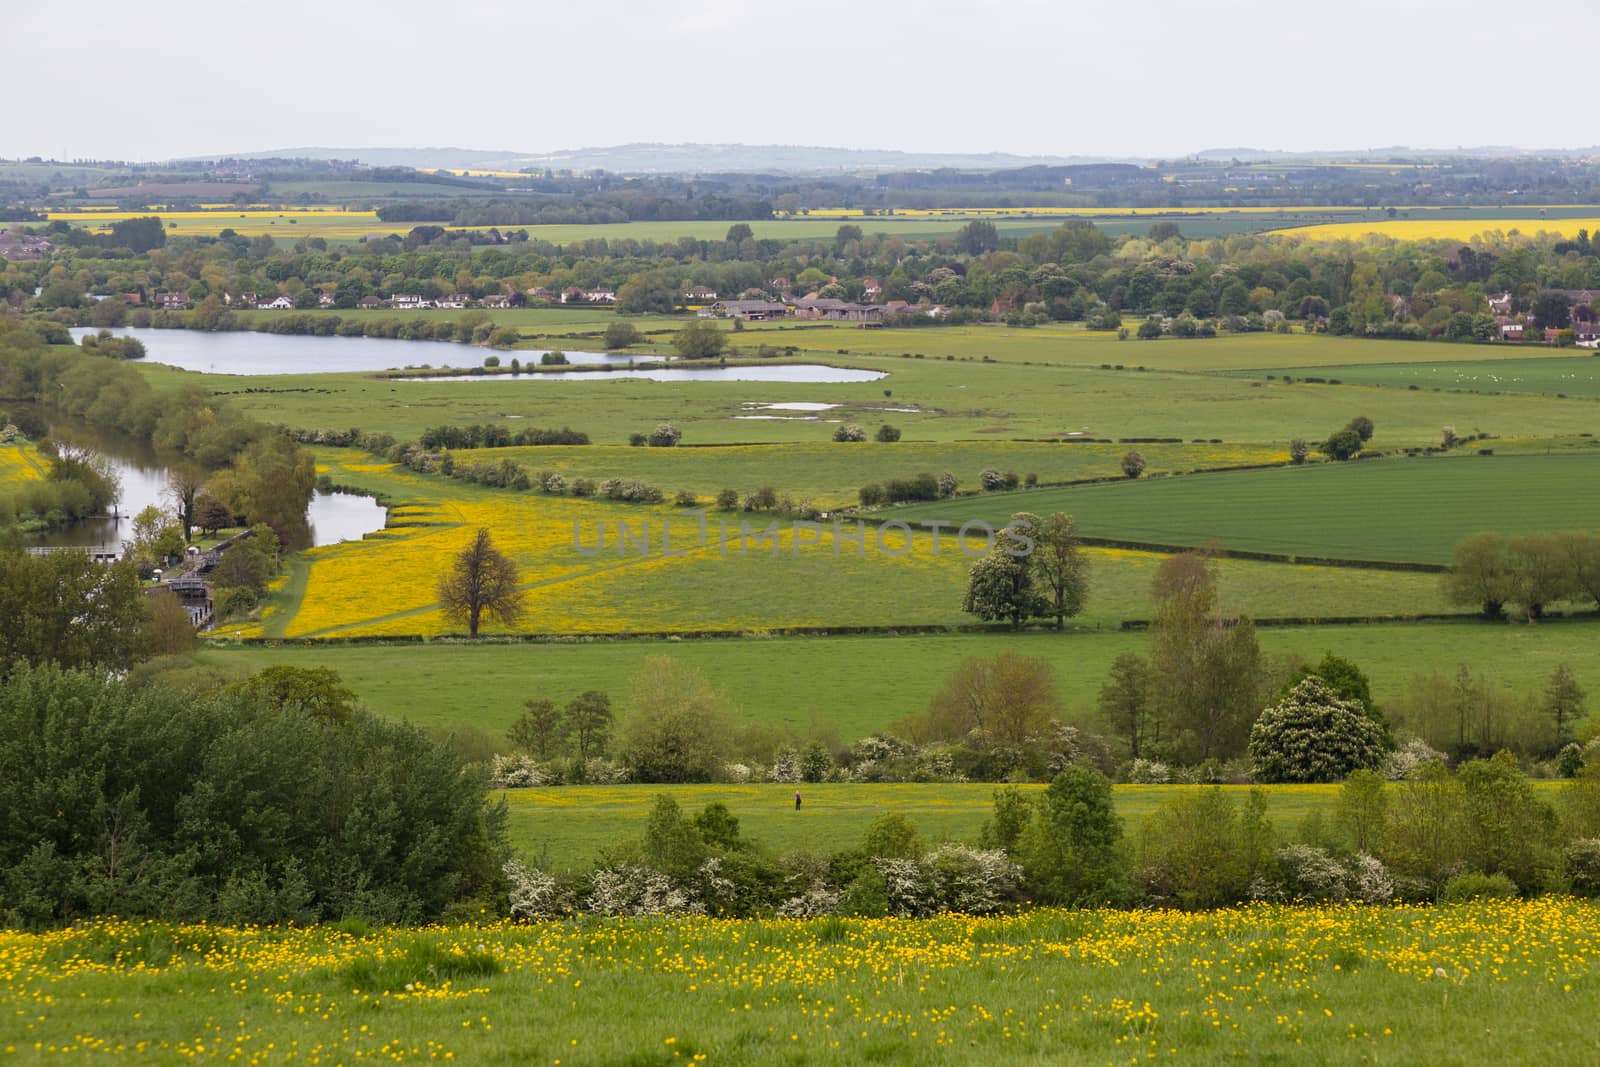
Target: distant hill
<point x="674" y="159"/>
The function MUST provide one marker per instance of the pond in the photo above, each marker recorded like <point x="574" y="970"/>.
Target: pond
<point x="334" y="517"/>
<point x="779" y="372"/>
<point x="270" y="353"/>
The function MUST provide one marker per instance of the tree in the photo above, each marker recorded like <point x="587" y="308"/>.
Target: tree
<point x="1126" y="706"/>
<point x="1071" y="850"/>
<point x="850" y="433"/>
<point x="1060" y="568"/>
<point x="739" y="232"/>
<point x="1363" y="427"/>
<point x="887" y="434"/>
<point x="1298" y="450"/>
<point x="273" y="483"/>
<point x="978" y="237"/>
<point x="589" y="719"/>
<point x="168" y="631"/>
<point x="139" y="234"/>
<point x="671" y="844"/>
<point x="1563" y="702"/>
<point x="1481" y="574"/>
<point x="1342" y="445"/>
<point x="1149" y="330"/>
<point x="1347" y="681"/>
<point x="318" y="691"/>
<point x="481" y="580"/>
<point x="1540" y="572"/>
<point x="1004" y="700"/>
<point x="1552" y="310"/>
<point x="1363" y="811"/>
<point x="1133" y="465"/>
<point x="184" y="482"/>
<point x="665" y="435"/>
<point x="211" y="514"/>
<point x="699" y="340"/>
<point x="249" y="563"/>
<point x="677" y="730"/>
<point x="651" y="292"/>
<point x="1001" y="585"/>
<point x="1313" y="736"/>
<point x="622" y="335"/>
<point x="541" y="729"/>
<point x="1207" y="669"/>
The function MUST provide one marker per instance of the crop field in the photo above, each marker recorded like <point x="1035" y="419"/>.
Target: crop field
<point x="852" y="686"/>
<point x="1542" y="374"/>
<point x="574" y="825"/>
<point x="1392" y="509"/>
<point x="20" y="462"/>
<point x="1266" y="984"/>
<point x="1433" y="229"/>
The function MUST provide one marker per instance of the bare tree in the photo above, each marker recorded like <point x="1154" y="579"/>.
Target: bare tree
<point x="481" y="579"/>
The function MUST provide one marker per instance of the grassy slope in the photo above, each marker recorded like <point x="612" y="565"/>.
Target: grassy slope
<point x="853" y="686"/>
<point x="1399" y="509"/>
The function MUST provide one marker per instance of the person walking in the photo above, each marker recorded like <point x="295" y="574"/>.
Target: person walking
<point x="797" y="801"/>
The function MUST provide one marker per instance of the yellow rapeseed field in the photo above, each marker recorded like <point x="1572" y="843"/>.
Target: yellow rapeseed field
<point x="1440" y="229"/>
<point x="20" y="462"/>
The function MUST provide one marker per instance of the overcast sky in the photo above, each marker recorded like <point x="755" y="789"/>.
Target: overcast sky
<point x="112" y="79"/>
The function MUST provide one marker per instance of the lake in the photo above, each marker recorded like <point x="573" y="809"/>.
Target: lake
<point x="269" y="353"/>
<point x="334" y="517"/>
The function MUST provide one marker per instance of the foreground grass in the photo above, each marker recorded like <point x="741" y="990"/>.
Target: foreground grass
<point x="853" y="686"/>
<point x="1487" y="982"/>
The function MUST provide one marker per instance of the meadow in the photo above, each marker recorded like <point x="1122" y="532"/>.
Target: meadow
<point x="1575" y="375"/>
<point x="849" y="686"/>
<point x="1405" y="509"/>
<point x="1268" y="984"/>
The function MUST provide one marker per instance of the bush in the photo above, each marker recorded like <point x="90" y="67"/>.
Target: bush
<point x="887" y="434"/>
<point x="1133" y="464"/>
<point x="871" y="495"/>
<point x="947" y="485"/>
<point x="665" y="435"/>
<point x="1313" y="736"/>
<point x="1583" y="867"/>
<point x="1475" y="886"/>
<point x="850" y="433"/>
<point x="553" y="359"/>
<point x="728" y="500"/>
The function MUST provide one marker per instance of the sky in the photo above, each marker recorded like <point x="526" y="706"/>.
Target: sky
<point x="1151" y="78"/>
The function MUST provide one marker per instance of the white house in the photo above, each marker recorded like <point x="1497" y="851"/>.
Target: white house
<point x="282" y="303"/>
<point x="410" y="302"/>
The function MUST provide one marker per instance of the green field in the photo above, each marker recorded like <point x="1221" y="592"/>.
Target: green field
<point x="569" y="827"/>
<point x="1412" y="509"/>
<point x="1491" y="982"/>
<point x="854" y="686"/>
<point x="1571" y="375"/>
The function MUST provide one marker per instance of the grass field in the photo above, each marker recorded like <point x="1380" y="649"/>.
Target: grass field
<point x="1392" y="509"/>
<point x="569" y="827"/>
<point x="851" y="686"/>
<point x="1538" y="373"/>
<point x="1504" y="982"/>
<point x="954" y="400"/>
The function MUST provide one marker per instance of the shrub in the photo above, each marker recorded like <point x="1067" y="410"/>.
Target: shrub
<point x="728" y="500"/>
<point x="991" y="480"/>
<point x="850" y="433"/>
<point x="871" y="495"/>
<point x="637" y="440"/>
<point x="1299" y="450"/>
<point x="685" y="499"/>
<point x="665" y="435"/>
<point x="1149" y="772"/>
<point x="887" y="434"/>
<point x="1475" y="886"/>
<point x="1313" y="736"/>
<point x="1133" y="464"/>
<point x="1583" y="867"/>
<point x="1409" y="758"/>
<point x="535" y="894"/>
<point x="630" y="889"/>
<point x="1311" y="874"/>
<point x="1344" y="444"/>
<point x="947" y="484"/>
<point x="553" y="359"/>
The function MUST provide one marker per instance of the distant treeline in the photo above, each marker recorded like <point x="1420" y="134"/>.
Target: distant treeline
<point x="490" y="436"/>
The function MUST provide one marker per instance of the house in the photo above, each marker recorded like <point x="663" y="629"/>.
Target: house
<point x="539" y="292"/>
<point x="699" y="294"/>
<point x="454" y="300"/>
<point x="281" y="303"/>
<point x="170" y="301"/>
<point x="1586" y="334"/>
<point x="370" y="302"/>
<point x="781" y="285"/>
<point x="496" y="300"/>
<point x="1500" y="305"/>
<point x="935" y="311"/>
<point x="748" y="310"/>
<point x="870" y="289"/>
<point x="600" y="294"/>
<point x="410" y="302"/>
<point x="324" y="299"/>
<point x="572" y="295"/>
<point x="832" y="310"/>
<point x="133" y="299"/>
<point x="1510" y="329"/>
